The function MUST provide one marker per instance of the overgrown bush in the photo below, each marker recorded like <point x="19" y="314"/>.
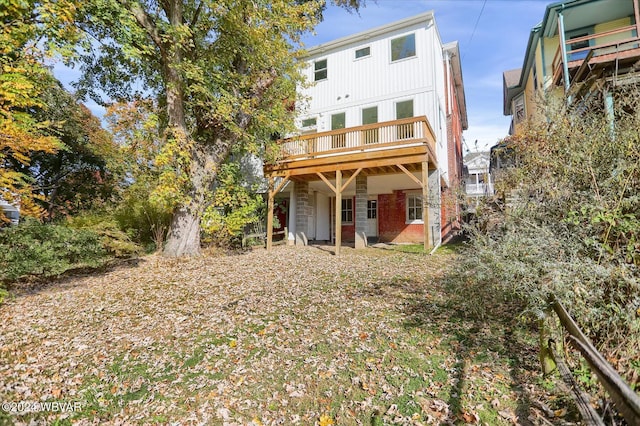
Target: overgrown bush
<point x="567" y="221"/>
<point x="116" y="243"/>
<point x="144" y="220"/>
<point x="235" y="206"/>
<point x="33" y="248"/>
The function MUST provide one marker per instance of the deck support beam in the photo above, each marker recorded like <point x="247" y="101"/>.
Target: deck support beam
<point x="360" y="213"/>
<point x="270" y="201"/>
<point x="338" y="211"/>
<point x="425" y="205"/>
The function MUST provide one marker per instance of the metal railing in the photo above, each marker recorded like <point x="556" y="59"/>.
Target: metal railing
<point x="625" y="400"/>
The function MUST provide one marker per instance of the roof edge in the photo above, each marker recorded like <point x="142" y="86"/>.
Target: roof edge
<point x="364" y="35"/>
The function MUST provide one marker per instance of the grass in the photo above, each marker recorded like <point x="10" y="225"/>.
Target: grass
<point x="293" y="335"/>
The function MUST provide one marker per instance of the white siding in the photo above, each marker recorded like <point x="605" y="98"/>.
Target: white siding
<point x="353" y="84"/>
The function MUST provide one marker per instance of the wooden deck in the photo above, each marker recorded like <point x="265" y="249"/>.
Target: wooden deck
<point x="375" y="148"/>
<point x="401" y="146"/>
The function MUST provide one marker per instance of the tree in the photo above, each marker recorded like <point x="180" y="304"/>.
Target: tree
<point x="224" y="73"/>
<point x="85" y="173"/>
<point x="23" y="79"/>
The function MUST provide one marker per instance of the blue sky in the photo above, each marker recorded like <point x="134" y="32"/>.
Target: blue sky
<point x="497" y="44"/>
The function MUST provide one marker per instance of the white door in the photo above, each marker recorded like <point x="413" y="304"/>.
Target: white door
<point x="372" y="218"/>
<point x="323" y="215"/>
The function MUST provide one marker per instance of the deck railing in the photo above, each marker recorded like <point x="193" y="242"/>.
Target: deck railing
<point x="613" y="41"/>
<point x="479" y="189"/>
<point x="385" y="135"/>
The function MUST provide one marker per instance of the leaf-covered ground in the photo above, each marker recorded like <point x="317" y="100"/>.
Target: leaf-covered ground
<point x="291" y="336"/>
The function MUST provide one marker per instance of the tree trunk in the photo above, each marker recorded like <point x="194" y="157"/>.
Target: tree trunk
<point x="184" y="235"/>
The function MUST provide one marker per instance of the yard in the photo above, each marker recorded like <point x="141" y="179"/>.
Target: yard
<point x="291" y="336"/>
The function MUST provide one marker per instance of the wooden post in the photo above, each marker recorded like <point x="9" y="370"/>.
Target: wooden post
<point x="270" y="191"/>
<point x="425" y="204"/>
<point x="271" y="194"/>
<point x="338" y="211"/>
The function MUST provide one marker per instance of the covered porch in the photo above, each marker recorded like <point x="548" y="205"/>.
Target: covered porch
<point x="355" y="157"/>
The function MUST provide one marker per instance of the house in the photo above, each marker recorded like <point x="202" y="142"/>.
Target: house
<point x="478" y="182"/>
<point x="582" y="49"/>
<point x="11" y="212"/>
<point x="379" y="147"/>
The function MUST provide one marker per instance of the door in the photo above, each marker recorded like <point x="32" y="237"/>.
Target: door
<point x="323" y="217"/>
<point x="372" y="218"/>
<point x="370" y="116"/>
<point x="338" y="121"/>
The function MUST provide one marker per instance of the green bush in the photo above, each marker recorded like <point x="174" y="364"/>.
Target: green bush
<point x="115" y="241"/>
<point x="145" y="221"/>
<point x="33" y="248"/>
<point x="566" y="221"/>
<point x="235" y="206"/>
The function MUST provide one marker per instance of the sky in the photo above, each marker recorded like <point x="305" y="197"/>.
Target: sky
<point x="492" y="35"/>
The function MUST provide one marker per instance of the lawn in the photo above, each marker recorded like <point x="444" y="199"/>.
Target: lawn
<point x="291" y="336"/>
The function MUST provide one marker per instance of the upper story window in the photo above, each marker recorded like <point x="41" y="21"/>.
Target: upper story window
<point x="518" y="108"/>
<point x="403" y="47"/>
<point x="363" y="53"/>
<point x="580" y="44"/>
<point x="320" y="70"/>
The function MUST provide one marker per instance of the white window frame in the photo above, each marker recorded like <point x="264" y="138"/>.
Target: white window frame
<point x="519" y="104"/>
<point x="355" y="52"/>
<point x="417" y="197"/>
<point x="325" y="69"/>
<point x="404" y="58"/>
<point x="309" y="126"/>
<point x="349" y="208"/>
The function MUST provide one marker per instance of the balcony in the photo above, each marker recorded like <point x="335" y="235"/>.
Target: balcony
<point x="479" y="189"/>
<point x="617" y="46"/>
<point x="374" y="146"/>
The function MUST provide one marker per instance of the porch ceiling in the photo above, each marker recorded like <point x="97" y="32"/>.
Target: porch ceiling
<point x="376" y="184"/>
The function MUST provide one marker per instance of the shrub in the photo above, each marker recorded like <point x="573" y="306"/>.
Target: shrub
<point x="567" y="221"/>
<point x="144" y="220"/>
<point x="235" y="206"/>
<point x="33" y="248"/>
<point x="116" y="243"/>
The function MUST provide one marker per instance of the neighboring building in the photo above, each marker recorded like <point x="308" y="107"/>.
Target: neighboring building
<point x="11" y="212"/>
<point x="380" y="139"/>
<point x="478" y="182"/>
<point x="580" y="50"/>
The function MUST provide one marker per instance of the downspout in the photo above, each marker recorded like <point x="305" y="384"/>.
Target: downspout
<point x="563" y="52"/>
<point x="449" y="94"/>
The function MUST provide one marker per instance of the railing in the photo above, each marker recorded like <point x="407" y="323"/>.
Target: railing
<point x="626" y="401"/>
<point x="479" y="188"/>
<point x="576" y="56"/>
<point x="389" y="134"/>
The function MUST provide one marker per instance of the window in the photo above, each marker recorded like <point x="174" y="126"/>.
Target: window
<point x="364" y="52"/>
<point x="338" y="121"/>
<point x="582" y="44"/>
<point x="347" y="210"/>
<point x="308" y="122"/>
<point x="414" y="208"/>
<point x="403" y="47"/>
<point x="372" y="209"/>
<point x="370" y="116"/>
<point x="404" y="109"/>
<point x="320" y="69"/>
<point x="518" y="109"/>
